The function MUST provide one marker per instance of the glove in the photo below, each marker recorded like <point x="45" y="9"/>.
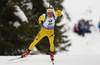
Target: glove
<point x="61" y="16"/>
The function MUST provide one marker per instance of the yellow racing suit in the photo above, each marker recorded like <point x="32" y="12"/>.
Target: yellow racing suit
<point x="46" y="30"/>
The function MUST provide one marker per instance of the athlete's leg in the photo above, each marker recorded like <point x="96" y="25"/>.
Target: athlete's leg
<point x="51" y="39"/>
<point x="39" y="36"/>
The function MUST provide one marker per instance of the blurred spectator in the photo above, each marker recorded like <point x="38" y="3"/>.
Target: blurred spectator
<point x="99" y="26"/>
<point x="87" y="27"/>
<point x="75" y="28"/>
<point x="81" y="28"/>
<point x="83" y="21"/>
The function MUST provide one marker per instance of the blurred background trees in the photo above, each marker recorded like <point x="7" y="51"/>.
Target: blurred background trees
<point x="14" y="40"/>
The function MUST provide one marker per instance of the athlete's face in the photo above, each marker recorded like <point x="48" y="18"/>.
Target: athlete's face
<point x="49" y="14"/>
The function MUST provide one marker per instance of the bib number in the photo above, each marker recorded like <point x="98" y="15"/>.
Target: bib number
<point x="50" y="22"/>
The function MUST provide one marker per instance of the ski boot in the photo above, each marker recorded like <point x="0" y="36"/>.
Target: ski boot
<point x="25" y="54"/>
<point x="52" y="56"/>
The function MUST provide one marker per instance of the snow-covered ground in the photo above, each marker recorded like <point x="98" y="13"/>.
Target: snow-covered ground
<point x="59" y="60"/>
<point x="88" y="45"/>
<point x="88" y="10"/>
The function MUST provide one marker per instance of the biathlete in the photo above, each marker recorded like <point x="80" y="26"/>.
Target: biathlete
<point x="47" y="29"/>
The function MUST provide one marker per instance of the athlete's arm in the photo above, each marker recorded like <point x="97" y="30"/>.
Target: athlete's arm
<point x="41" y="19"/>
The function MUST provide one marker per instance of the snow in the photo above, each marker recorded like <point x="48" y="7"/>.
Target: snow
<point x="85" y="46"/>
<point x="16" y="24"/>
<point x="29" y="6"/>
<point x="59" y="60"/>
<point x="46" y="4"/>
<point x="88" y="10"/>
<point x="20" y="14"/>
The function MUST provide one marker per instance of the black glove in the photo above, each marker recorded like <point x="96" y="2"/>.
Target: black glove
<point x="61" y="16"/>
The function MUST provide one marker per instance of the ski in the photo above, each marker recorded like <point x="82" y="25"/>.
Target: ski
<point x="14" y="58"/>
<point x="18" y="58"/>
<point x="52" y="62"/>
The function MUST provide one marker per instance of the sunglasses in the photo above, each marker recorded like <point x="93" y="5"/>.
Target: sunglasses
<point x="50" y="13"/>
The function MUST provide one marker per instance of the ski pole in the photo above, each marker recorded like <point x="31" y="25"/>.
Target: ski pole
<point x="37" y="22"/>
